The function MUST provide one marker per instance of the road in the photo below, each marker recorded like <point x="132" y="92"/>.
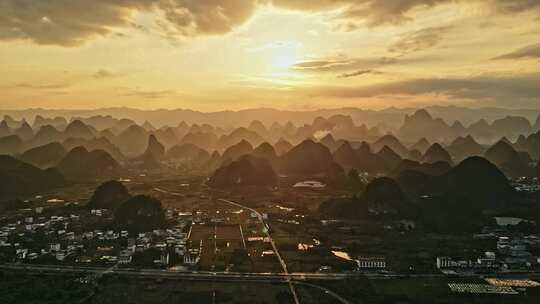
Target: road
<point x="274" y="247"/>
<point x="174" y="273"/>
<point x="185" y="275"/>
<point x="285" y="275"/>
<point x="325" y="290"/>
<point x="169" y="192"/>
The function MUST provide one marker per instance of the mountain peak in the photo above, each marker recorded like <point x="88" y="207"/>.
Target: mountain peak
<point x="148" y="126"/>
<point x="421" y="114"/>
<point x="154" y="149"/>
<point x="436" y="153"/>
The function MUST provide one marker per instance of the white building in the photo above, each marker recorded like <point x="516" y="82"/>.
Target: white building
<point x="164" y="259"/>
<point x="125" y="257"/>
<point x="191" y="259"/>
<point x="445" y="262"/>
<point x="309" y="184"/>
<point x="61" y="255"/>
<point x="54" y="247"/>
<point x="371" y="263"/>
<point x="21" y="253"/>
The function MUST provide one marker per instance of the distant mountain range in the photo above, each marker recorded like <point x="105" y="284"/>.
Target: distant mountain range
<point x="101" y="147"/>
<point x="391" y="117"/>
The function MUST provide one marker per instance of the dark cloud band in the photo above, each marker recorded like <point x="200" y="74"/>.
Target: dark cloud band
<point x="72" y="22"/>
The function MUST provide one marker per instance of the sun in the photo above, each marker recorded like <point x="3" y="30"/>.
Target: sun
<point x="283" y="55"/>
<point x="284" y="58"/>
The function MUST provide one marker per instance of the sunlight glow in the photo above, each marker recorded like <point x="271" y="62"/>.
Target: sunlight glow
<point x="284" y="58"/>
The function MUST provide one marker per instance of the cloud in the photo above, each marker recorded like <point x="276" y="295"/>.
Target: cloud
<point x="516" y="6"/>
<point x="148" y="94"/>
<point x="37" y="86"/>
<point x="530" y="51"/>
<point x="358" y="73"/>
<point x="70" y="23"/>
<point x="342" y="64"/>
<point x="419" y="40"/>
<point x="104" y="73"/>
<point x="523" y="89"/>
<point x="374" y="13"/>
<point x="212" y="17"/>
<point x="64" y="22"/>
<point x="345" y="67"/>
<point x="377" y="12"/>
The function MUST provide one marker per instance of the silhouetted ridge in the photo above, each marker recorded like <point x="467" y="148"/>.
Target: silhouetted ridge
<point x="246" y="171"/>
<point x="391" y="142"/>
<point x="463" y="147"/>
<point x="475" y="178"/>
<point x="282" y="146"/>
<point x="346" y="156"/>
<point x="309" y="159"/>
<point x="266" y="151"/>
<point x="77" y="129"/>
<point x="140" y="213"/>
<point x="508" y="159"/>
<point x="234" y="152"/>
<point x="436" y="153"/>
<point x="421" y="145"/>
<point x="187" y="153"/>
<point x="391" y="159"/>
<point x="384" y="195"/>
<point x="133" y="141"/>
<point x="422" y="125"/>
<point x="80" y="164"/>
<point x="109" y="195"/>
<point x="25" y="132"/>
<point x="154" y="149"/>
<point x="433" y="169"/>
<point x="45" y="156"/>
<point x="11" y="144"/>
<point x="4" y="129"/>
<point x="20" y="178"/>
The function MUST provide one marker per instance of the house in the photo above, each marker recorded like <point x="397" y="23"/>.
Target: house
<point x="61" y="255"/>
<point x="54" y="247"/>
<point x="445" y="262"/>
<point x="309" y="184"/>
<point x="21" y="253"/>
<point x="371" y="263"/>
<point x="179" y="250"/>
<point x="164" y="258"/>
<point x="191" y="258"/>
<point x="488" y="261"/>
<point x="125" y="257"/>
<point x="142" y="247"/>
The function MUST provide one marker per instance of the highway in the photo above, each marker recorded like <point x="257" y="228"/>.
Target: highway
<point x="174" y="273"/>
<point x="185" y="275"/>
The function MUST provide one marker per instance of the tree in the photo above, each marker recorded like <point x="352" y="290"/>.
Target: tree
<point x="109" y="195"/>
<point x="140" y="213"/>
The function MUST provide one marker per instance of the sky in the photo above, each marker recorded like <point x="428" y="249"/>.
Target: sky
<point x="213" y="55"/>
